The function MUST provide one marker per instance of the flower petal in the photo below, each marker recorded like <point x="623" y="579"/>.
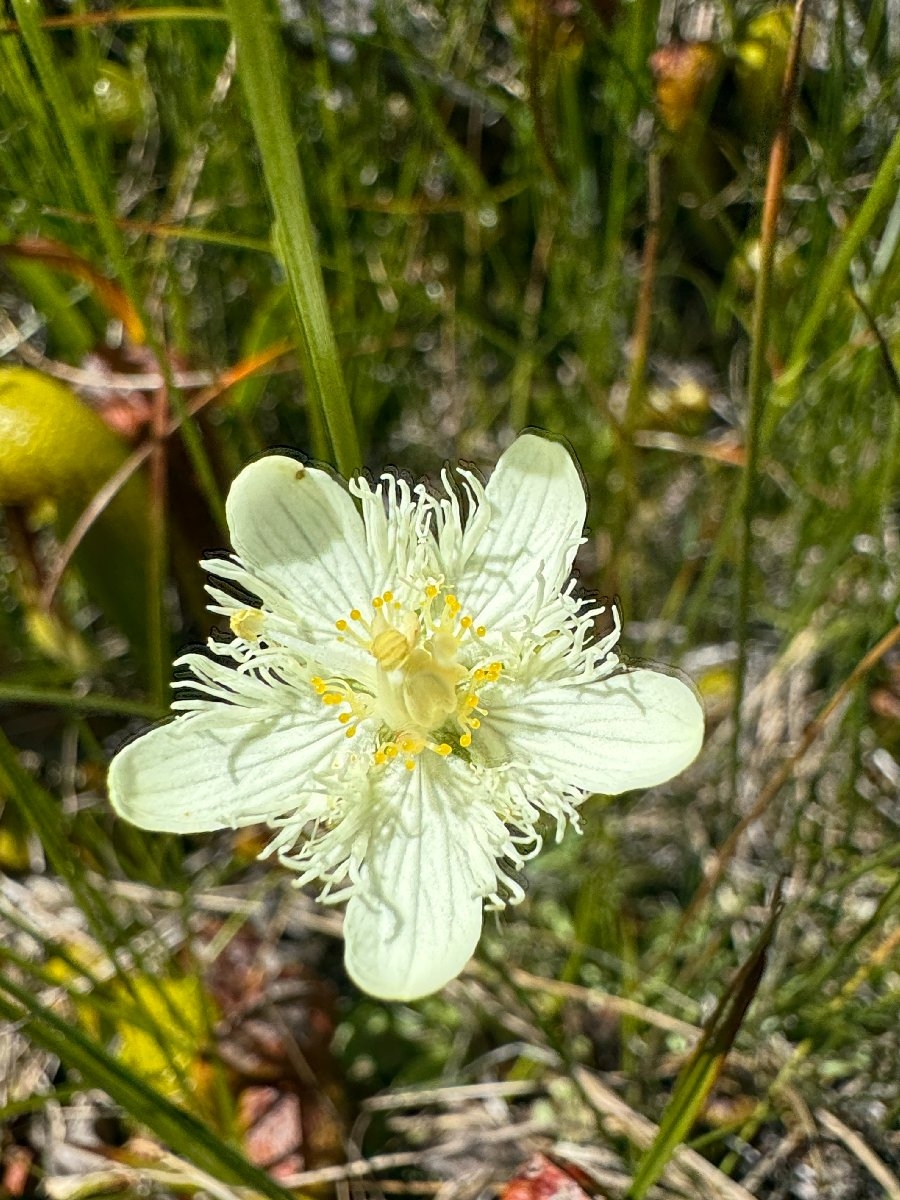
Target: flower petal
<point x="221" y="767"/>
<point x="630" y="730"/>
<point x="537" y="510"/>
<point x="415" y="918"/>
<point x="300" y="529"/>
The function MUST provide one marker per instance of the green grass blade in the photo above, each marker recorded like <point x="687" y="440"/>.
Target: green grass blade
<point x="261" y="70"/>
<point x="11" y="693"/>
<point x="881" y="194"/>
<point x="41" y="812"/>
<point x="702" y="1069"/>
<point x="179" y="1130"/>
<point x="59" y="94"/>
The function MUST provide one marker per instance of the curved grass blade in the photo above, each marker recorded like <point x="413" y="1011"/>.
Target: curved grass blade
<point x="179" y="1130"/>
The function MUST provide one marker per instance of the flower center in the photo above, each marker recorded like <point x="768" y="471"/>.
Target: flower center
<point x="423" y="693"/>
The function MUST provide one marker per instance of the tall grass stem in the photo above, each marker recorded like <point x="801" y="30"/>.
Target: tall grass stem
<point x="262" y="74"/>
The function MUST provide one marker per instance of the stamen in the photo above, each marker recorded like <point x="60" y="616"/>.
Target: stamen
<point x="390" y="648"/>
<point x="247" y="624"/>
<point x="420" y="683"/>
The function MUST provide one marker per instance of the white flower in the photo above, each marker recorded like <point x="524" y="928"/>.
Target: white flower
<point x="406" y="695"/>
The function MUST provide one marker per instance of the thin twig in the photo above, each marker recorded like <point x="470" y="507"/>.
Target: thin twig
<point x="105" y="494"/>
<point x="884" y="1177"/>
<point x="783" y="774"/>
<point x="413" y="1158"/>
<point x="643" y="320"/>
<point x="686" y="1170"/>
<point x="122" y="16"/>
<point x="778" y="160"/>
<point x="890" y="367"/>
<point x="597" y="998"/>
<point x="452" y="1094"/>
<point x="157" y="626"/>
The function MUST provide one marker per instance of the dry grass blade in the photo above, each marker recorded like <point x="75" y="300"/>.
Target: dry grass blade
<point x="688" y="1171"/>
<point x="56" y="254"/>
<point x="597" y="998"/>
<point x="783" y="774"/>
<point x="758" y="379"/>
<point x="857" y="1146"/>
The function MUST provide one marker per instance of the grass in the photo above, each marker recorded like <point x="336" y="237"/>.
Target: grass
<point x="468" y="219"/>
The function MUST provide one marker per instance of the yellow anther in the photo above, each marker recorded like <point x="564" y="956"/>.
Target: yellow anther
<point x="466" y="740"/>
<point x="471" y="700"/>
<point x="247" y="624"/>
<point x="345" y="718"/>
<point x="443" y="749"/>
<point x="465" y="622"/>
<point x="380" y="757"/>
<point x="332" y="698"/>
<point x="391" y="750"/>
<point x="410" y="764"/>
<point x="480" y="631"/>
<point x="341" y="625"/>
<point x="390" y="648"/>
<point x="355" y="614"/>
<point x="474" y="723"/>
<point x="318" y="684"/>
<point x="387" y="597"/>
<point x="351" y="731"/>
<point x="431" y="591"/>
<point x="377" y="602"/>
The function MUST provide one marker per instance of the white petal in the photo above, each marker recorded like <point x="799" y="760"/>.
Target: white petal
<point x="415" y="918"/>
<point x="537" y="506"/>
<point x="299" y="528"/>
<point x="221" y="767"/>
<point x="630" y="730"/>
